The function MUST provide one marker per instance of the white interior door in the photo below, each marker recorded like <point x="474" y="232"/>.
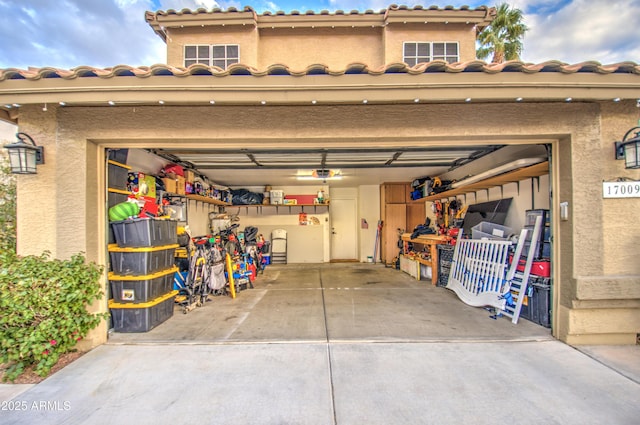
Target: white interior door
<point x="344" y="236"/>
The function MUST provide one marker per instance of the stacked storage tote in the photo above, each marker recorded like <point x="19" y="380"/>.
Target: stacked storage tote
<point x="142" y="270"/>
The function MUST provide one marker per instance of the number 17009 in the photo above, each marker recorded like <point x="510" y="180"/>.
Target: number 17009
<point x="621" y="189"/>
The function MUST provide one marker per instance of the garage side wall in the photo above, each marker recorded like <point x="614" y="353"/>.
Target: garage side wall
<point x="596" y="291"/>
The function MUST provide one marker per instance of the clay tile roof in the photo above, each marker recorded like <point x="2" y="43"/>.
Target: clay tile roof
<point x="151" y="15"/>
<point x="321" y="69"/>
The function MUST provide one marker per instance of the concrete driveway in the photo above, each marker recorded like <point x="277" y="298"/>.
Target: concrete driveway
<point x="394" y="351"/>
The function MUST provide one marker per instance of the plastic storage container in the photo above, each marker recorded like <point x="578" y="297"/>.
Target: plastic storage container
<point x="141" y="317"/>
<point x="141" y="261"/>
<point x="537" y="307"/>
<point x="445" y="256"/>
<point x="141" y="289"/>
<point x="543" y="244"/>
<point x="115" y="198"/>
<point x="119" y="155"/>
<point x="118" y="175"/>
<point x="490" y="230"/>
<point x="143" y="232"/>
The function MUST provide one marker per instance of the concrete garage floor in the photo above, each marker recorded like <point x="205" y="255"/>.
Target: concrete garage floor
<point x="336" y="345"/>
<point x="336" y="302"/>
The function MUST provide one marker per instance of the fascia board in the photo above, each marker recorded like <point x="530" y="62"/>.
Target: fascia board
<point x="386" y="88"/>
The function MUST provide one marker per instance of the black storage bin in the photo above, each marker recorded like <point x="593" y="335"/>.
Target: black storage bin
<point x="115" y="198"/>
<point x="141" y="261"/>
<point x="143" y="232"/>
<point x="141" y="289"/>
<point x="141" y="317"/>
<point x="538" y="302"/>
<point x="119" y="155"/>
<point x="118" y="175"/>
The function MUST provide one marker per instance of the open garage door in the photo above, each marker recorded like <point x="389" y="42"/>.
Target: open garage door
<point x="309" y="286"/>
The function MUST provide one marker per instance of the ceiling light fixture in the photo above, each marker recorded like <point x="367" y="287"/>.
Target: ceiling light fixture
<point x="569" y="99"/>
<point x="161" y="102"/>
<point x="111" y="103"/>
<point x="320" y="174"/>
<point x="62" y="103"/>
<point x="519" y="99"/>
<point x="212" y="102"/>
<point x="416" y="100"/>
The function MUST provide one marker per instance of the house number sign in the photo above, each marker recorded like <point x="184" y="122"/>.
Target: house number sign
<point x="627" y="189"/>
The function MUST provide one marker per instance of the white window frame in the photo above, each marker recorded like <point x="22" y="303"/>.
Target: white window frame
<point x="416" y="59"/>
<point x="197" y="59"/>
<point x="209" y="59"/>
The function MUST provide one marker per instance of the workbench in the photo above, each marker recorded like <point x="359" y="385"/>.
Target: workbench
<point x="431" y="241"/>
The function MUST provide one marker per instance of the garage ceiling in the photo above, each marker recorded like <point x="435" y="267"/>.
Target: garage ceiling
<point x="355" y="166"/>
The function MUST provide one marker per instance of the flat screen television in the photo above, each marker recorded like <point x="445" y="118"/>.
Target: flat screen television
<point x="492" y="211"/>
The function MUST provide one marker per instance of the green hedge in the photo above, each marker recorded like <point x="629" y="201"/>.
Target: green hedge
<point x="43" y="309"/>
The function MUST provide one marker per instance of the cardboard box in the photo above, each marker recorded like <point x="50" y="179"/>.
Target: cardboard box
<point x="169" y="184"/>
<point x="180" y="186"/>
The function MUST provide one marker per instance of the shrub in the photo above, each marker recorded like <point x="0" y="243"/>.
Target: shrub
<point x="43" y="310"/>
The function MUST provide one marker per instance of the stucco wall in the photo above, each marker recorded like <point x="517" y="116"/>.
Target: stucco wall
<point x="595" y="287"/>
<point x="340" y="46"/>
<point x="396" y="34"/>
<point x="246" y="37"/>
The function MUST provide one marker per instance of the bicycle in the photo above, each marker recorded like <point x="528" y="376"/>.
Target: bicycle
<point x="203" y="259"/>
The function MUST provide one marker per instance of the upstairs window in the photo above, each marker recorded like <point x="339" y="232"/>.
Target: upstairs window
<point x="418" y="52"/>
<point x="221" y="55"/>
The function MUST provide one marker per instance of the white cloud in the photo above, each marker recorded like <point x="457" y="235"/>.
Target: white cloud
<point x="583" y="30"/>
<point x="105" y="33"/>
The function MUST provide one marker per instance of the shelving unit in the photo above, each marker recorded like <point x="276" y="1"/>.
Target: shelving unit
<point x="207" y="200"/>
<point x="260" y="208"/>
<point x="515" y="176"/>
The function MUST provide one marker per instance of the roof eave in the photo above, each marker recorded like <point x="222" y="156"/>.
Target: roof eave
<point x="321" y="89"/>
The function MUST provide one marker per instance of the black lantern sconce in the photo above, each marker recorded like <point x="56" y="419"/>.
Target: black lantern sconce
<point x="629" y="149"/>
<point x="24" y="156"/>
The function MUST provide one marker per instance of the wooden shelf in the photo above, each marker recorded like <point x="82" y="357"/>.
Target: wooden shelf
<point x="207" y="200"/>
<point x="278" y="206"/>
<point x="419" y="260"/>
<point x="515" y="176"/>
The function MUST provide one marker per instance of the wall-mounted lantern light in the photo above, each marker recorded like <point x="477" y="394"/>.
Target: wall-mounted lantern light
<point x="629" y="149"/>
<point x="24" y="156"/>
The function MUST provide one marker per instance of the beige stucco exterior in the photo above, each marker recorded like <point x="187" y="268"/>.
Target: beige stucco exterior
<point x="597" y="291"/>
<point x="335" y="40"/>
<point x="596" y="275"/>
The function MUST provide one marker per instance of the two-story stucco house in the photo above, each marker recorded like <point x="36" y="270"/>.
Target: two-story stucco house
<point x="387" y="96"/>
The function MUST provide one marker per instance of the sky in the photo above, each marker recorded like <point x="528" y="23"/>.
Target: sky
<point x="105" y="33"/>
